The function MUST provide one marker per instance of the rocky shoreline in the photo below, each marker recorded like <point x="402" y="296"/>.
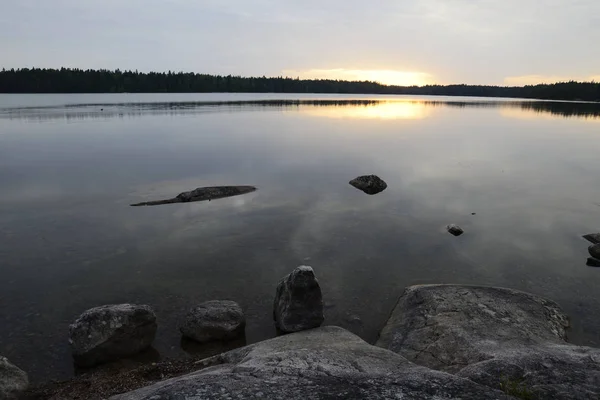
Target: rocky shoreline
<point x="441" y="341"/>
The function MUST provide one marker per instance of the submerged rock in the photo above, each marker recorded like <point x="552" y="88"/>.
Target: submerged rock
<point x="592" y="237"/>
<point x="594" y="250"/>
<point x="370" y="184"/>
<point x="202" y="194"/>
<point x="322" y="363"/>
<point x="111" y="332"/>
<point x="455" y="230"/>
<point x="298" y="301"/>
<point x="593" y="262"/>
<point x="214" y="320"/>
<point x="493" y="336"/>
<point x="13" y="381"/>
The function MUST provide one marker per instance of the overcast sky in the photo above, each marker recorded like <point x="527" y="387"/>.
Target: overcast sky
<point x="394" y="41"/>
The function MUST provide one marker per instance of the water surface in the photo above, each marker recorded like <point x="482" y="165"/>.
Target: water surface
<point x="70" y="165"/>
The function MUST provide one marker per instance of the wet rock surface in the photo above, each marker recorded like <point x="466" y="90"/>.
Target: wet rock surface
<point x="13" y="381"/>
<point x="592" y="237"/>
<point x="370" y="184"/>
<point x="455" y="230"/>
<point x="298" y="303"/>
<point x="111" y="332"/>
<point x="214" y="320"/>
<point x="327" y="362"/>
<point x="202" y="194"/>
<point x="491" y="334"/>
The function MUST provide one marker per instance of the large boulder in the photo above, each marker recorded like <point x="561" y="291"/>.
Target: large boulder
<point x="214" y="320"/>
<point x="322" y="363"/>
<point x="370" y="184"/>
<point x="298" y="301"/>
<point x="498" y="337"/>
<point x="13" y="381"/>
<point x="111" y="332"/>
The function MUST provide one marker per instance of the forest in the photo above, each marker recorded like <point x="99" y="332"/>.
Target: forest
<point x="69" y="80"/>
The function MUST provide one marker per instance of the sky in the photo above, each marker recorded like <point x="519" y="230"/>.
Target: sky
<point x="406" y="42"/>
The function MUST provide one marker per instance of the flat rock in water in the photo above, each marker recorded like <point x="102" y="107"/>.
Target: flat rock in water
<point x="298" y="301"/>
<point x="455" y="230"/>
<point x="594" y="250"/>
<point x="322" y="363"/>
<point x="13" y="381"/>
<point x="593" y="262"/>
<point x="111" y="332"/>
<point x="592" y="237"/>
<point x="493" y="336"/>
<point x="370" y="184"/>
<point x="214" y="320"/>
<point x="202" y="194"/>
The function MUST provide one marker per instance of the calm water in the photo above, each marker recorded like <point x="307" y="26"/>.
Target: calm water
<point x="70" y="165"/>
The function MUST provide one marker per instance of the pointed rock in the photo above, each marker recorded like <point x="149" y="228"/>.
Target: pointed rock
<point x="298" y="302"/>
<point x="592" y="237"/>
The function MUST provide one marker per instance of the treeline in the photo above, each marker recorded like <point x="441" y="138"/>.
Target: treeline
<point x="66" y="80"/>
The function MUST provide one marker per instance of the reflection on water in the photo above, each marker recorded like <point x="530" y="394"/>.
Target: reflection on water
<point x="69" y="240"/>
<point x="333" y="108"/>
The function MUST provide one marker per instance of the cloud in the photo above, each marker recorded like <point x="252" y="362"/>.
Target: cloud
<point x="452" y="40"/>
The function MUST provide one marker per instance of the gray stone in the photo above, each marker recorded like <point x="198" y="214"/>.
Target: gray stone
<point x="13" y="381"/>
<point x="111" y="332"/>
<point x="370" y="184"/>
<point x="298" y="301"/>
<point x="455" y="230"/>
<point x="594" y="251"/>
<point x="202" y="194"/>
<point x="593" y="262"/>
<point x="592" y="237"/>
<point x="214" y="320"/>
<point x="323" y="363"/>
<point x="491" y="334"/>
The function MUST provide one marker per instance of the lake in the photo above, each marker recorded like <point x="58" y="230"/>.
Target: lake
<point x="70" y="165"/>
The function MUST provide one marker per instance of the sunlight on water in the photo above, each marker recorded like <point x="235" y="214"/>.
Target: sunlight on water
<point x="382" y="110"/>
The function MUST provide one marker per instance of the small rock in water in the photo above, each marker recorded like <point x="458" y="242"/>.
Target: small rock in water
<point x="592" y="262"/>
<point x="111" y="332"/>
<point x="594" y="250"/>
<point x="298" y="302"/>
<point x="592" y="237"/>
<point x="455" y="229"/>
<point x="370" y="184"/>
<point x="214" y="320"/>
<point x="13" y="381"/>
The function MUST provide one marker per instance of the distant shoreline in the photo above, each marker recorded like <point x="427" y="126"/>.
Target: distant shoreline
<point x="66" y="80"/>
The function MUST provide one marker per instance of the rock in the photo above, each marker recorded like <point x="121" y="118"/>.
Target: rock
<point x="370" y="184"/>
<point x="202" y="194"/>
<point x="322" y="363"/>
<point x="491" y="334"/>
<point x="111" y="332"/>
<point x="455" y="230"/>
<point x="13" y="381"/>
<point x="298" y="302"/>
<point x="592" y="262"/>
<point x="214" y="320"/>
<point x="592" y="237"/>
<point x="594" y="250"/>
